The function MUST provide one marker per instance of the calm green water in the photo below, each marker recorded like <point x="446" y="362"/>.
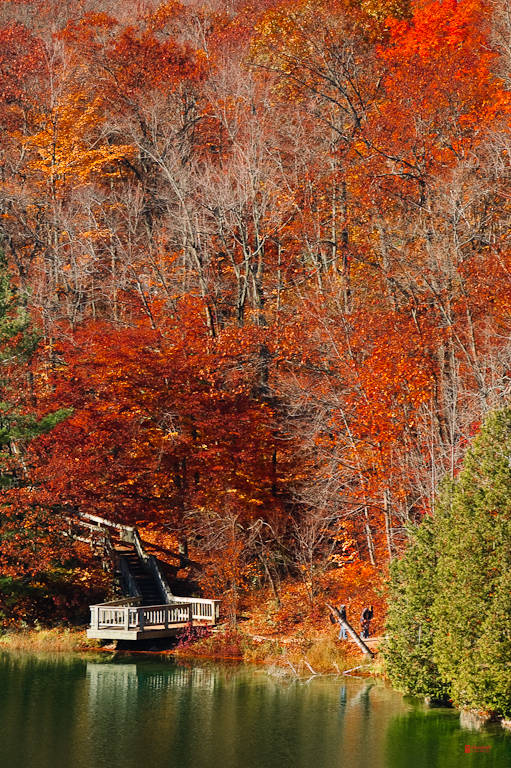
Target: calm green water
<point x="71" y="713"/>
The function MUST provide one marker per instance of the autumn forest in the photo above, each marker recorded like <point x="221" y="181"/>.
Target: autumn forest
<point x="255" y="283"/>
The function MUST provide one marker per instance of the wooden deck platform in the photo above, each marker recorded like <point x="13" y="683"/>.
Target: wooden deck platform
<point x="128" y="620"/>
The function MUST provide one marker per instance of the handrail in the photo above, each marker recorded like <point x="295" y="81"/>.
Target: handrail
<point x="152" y="564"/>
<point x="117" y="616"/>
<point x="130" y="534"/>
<point x="139" y="617"/>
<point x="121" y="602"/>
<point x="104" y="521"/>
<point x="126" y="576"/>
<point x="104" y="535"/>
<point x="128" y="614"/>
<point x="200" y="607"/>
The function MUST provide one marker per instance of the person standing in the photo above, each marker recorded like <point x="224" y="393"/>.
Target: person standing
<point x="365" y="622"/>
<point x="342" y="629"/>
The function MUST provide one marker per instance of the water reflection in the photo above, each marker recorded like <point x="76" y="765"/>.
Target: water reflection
<point x="63" y="713"/>
<point x="423" y="738"/>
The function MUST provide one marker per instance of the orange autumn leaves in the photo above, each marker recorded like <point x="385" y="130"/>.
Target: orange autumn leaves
<point x="268" y="248"/>
<point x="164" y="422"/>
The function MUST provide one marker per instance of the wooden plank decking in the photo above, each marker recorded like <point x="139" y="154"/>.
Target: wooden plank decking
<point x="128" y="620"/>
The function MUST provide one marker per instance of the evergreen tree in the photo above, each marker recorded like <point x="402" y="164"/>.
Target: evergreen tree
<point x="30" y="539"/>
<point x="408" y="652"/>
<point x="19" y="424"/>
<point x="487" y="680"/>
<point x="472" y="607"/>
<point x="449" y="620"/>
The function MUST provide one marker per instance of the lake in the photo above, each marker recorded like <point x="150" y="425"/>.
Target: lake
<point x="133" y="712"/>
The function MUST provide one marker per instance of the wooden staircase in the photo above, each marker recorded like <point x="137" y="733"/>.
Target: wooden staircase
<point x="147" y="586"/>
<point x="148" y="608"/>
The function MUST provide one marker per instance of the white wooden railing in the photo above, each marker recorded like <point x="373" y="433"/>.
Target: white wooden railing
<point x="202" y="609"/>
<point x="128" y="534"/>
<point x="127" y="615"/>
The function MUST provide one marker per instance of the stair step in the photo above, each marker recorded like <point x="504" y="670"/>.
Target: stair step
<point x="146" y="584"/>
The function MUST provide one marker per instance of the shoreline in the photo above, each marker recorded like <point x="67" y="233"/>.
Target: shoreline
<point x="47" y="640"/>
<point x="72" y="640"/>
<point x="315" y="655"/>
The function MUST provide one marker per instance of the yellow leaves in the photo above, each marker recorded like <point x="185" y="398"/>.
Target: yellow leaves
<point x="383" y="9"/>
<point x="71" y="147"/>
<point x="96" y="234"/>
<point x="171" y="435"/>
<point x="283" y="36"/>
<point x="165" y="14"/>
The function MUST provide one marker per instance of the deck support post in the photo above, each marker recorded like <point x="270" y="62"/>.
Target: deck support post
<point x="126" y="619"/>
<point x="215" y="611"/>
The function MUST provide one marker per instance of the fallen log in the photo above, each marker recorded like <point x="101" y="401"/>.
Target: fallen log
<point x="351" y="632"/>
